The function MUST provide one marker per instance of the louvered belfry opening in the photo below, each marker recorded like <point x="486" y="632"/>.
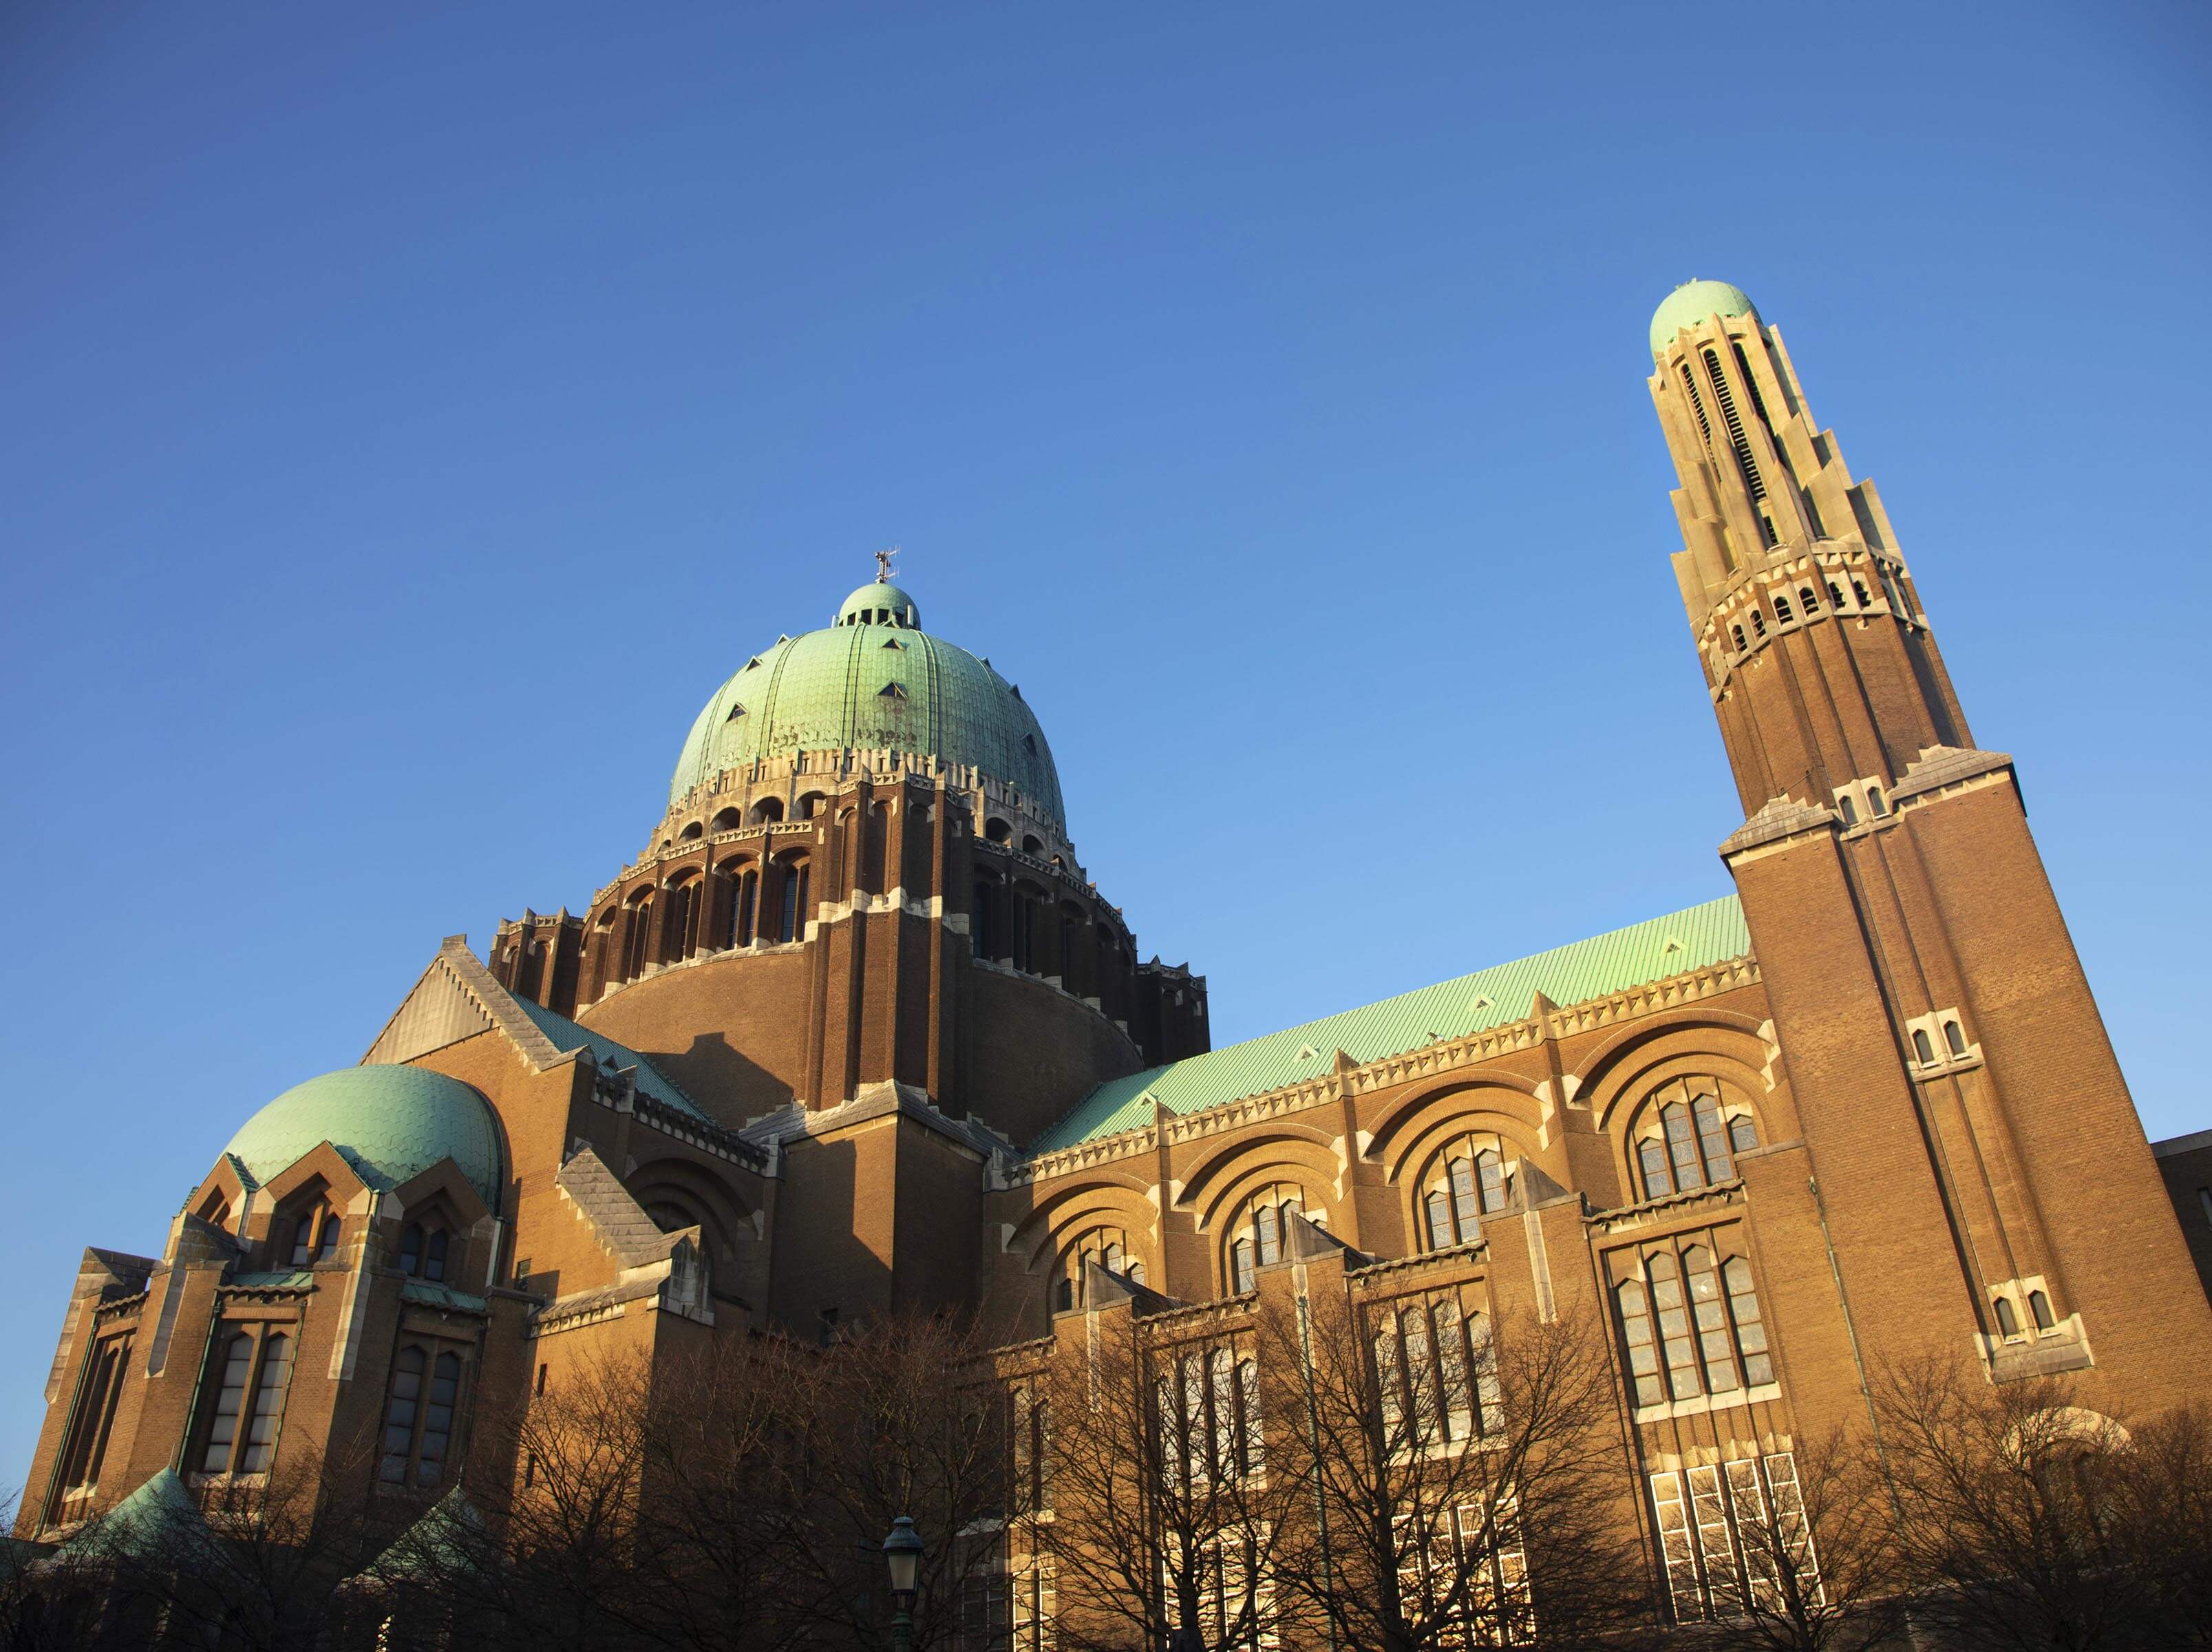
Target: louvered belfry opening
<point x="1745" y="461"/>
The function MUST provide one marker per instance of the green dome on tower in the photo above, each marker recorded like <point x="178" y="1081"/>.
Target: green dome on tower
<point x="391" y="1123"/>
<point x="1691" y="302"/>
<point x="872" y="681"/>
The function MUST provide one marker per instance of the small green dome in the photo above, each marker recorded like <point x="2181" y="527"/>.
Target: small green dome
<point x="869" y="684"/>
<point x="879" y="603"/>
<point x="1691" y="302"/>
<point x="390" y="1122"/>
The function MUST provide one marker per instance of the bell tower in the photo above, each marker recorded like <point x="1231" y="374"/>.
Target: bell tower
<point x="1969" y="1144"/>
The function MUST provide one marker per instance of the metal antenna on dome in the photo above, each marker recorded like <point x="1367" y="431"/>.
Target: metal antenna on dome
<point x="883" y="565"/>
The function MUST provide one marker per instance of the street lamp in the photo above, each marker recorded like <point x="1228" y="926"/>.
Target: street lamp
<point x="903" y="1554"/>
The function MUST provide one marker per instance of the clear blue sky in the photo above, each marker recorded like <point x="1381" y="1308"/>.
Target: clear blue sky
<point x="411" y="413"/>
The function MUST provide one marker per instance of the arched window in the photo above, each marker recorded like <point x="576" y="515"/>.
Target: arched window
<point x="1954" y="1038"/>
<point x="997" y="831"/>
<point x="675" y="934"/>
<point x="1675" y="1342"/>
<point x="1782" y="608"/>
<point x="1876" y="802"/>
<point x="983" y="923"/>
<point x="314" y="1235"/>
<point x="745" y="907"/>
<point x="875" y="848"/>
<point x="809" y="806"/>
<point x="638" y="933"/>
<point x="1737" y="632"/>
<point x="1757" y="623"/>
<point x="1847" y="809"/>
<point x="792" y="923"/>
<point x="2007" y="1321"/>
<point x="1032" y="844"/>
<point x="1110" y="1248"/>
<point x="229" y="1405"/>
<point x="1806" y="600"/>
<point x="767" y="811"/>
<point x="1859" y="590"/>
<point x="1835" y="594"/>
<point x="1240" y="1267"/>
<point x="1690" y="1140"/>
<point x="1923" y="1047"/>
<point x="268" y="1402"/>
<point x="2038" y="1309"/>
<point x="693" y="830"/>
<point x="1467" y="1183"/>
<point x="1265" y="1223"/>
<point x="1632" y="1307"/>
<point x="728" y="821"/>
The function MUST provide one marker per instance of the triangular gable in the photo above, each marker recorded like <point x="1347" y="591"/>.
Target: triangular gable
<point x="457" y="998"/>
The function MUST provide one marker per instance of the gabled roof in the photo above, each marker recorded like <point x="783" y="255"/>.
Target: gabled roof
<point x="448" y="1538"/>
<point x="1504" y="992"/>
<point x="457" y="998"/>
<point x="634" y="1238"/>
<point x="155" y="1520"/>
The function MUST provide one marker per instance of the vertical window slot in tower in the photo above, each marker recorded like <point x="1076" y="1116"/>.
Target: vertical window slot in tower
<point x="1737" y="439"/>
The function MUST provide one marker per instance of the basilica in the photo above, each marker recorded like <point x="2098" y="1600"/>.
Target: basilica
<point x="851" y="1031"/>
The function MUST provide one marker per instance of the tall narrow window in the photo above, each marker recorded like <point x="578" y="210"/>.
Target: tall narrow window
<point x="433" y="1255"/>
<point x="1847" y="809"/>
<point x="1876" y="802"/>
<point x="1758" y="623"/>
<point x="438" y="1419"/>
<point x="1466" y="1202"/>
<point x="744" y="906"/>
<point x="1750" y="1329"/>
<point x="1712" y="1138"/>
<point x="1240" y="1266"/>
<point x="1681" y="1147"/>
<point x="1451" y="1368"/>
<point x="1651" y="1154"/>
<point x="1714" y="1348"/>
<point x="1674" y="1338"/>
<point x="2038" y="1309"/>
<point x="1489" y="1170"/>
<point x="1782" y="608"/>
<point x="982" y="930"/>
<point x="229" y="1404"/>
<point x="1955" y="1039"/>
<point x="1737" y="441"/>
<point x="1441" y="1235"/>
<point x="1633" y="1309"/>
<point x="1808" y="601"/>
<point x="794" y="902"/>
<point x="1743" y="1134"/>
<point x="399" y="1410"/>
<point x="1251" y="1442"/>
<point x="1387" y="1381"/>
<point x="1923" y="1047"/>
<point x="1420" y="1372"/>
<point x="268" y="1403"/>
<point x="2007" y="1321"/>
<point x="87" y="1445"/>
<point x="411" y="1250"/>
<point x="1836" y="593"/>
<point x="1740" y="645"/>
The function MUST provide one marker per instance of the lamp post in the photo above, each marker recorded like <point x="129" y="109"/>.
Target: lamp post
<point x="903" y="1554"/>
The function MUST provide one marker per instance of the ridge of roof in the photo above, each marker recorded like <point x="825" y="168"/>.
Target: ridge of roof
<point x="569" y="1036"/>
<point x="1619" y="959"/>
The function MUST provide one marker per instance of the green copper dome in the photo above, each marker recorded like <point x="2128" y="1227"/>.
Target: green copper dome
<point x="868" y="684"/>
<point x="390" y="1122"/>
<point x="1691" y="302"/>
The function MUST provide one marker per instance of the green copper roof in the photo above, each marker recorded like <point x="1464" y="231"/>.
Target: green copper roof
<point x="1651" y="950"/>
<point x="152" y="1522"/>
<point x="390" y="1122"/>
<point x="879" y="603"/>
<point x="872" y="686"/>
<point x="569" y="1036"/>
<point x="1691" y="302"/>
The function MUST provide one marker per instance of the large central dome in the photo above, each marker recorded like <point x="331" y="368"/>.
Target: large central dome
<point x="872" y="681"/>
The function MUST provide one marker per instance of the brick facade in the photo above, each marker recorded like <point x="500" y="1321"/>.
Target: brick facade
<point x="788" y="1068"/>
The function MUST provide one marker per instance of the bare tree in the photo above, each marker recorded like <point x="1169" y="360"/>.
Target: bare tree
<point x="2010" y="1504"/>
<point x="1166" y="1499"/>
<point x="1463" y="1477"/>
<point x="2165" y="1526"/>
<point x="1820" y="1552"/>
